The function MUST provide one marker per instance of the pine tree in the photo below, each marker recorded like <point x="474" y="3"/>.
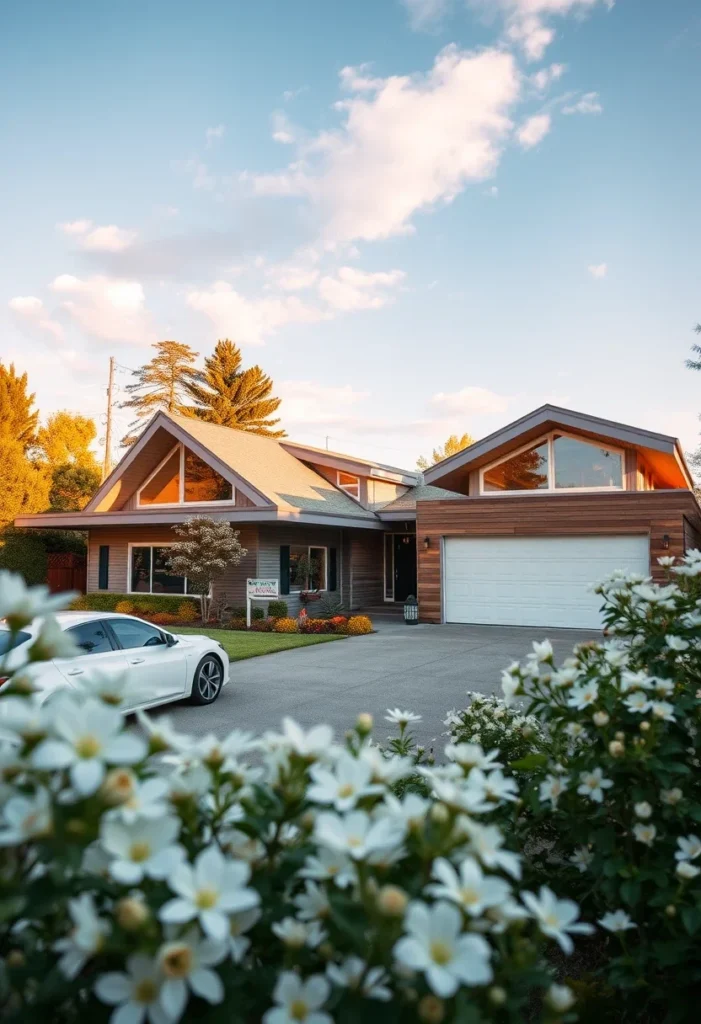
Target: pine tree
<point x="25" y="484"/>
<point x="224" y="393"/>
<point x="452" y="446"/>
<point x="18" y="421"/>
<point x="161" y="384"/>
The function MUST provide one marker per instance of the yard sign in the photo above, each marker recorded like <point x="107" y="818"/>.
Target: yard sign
<point x="259" y="590"/>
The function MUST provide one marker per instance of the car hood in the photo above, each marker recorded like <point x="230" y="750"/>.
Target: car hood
<point x="194" y="639"/>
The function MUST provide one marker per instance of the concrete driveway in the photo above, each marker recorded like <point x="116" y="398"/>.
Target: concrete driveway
<point x="426" y="669"/>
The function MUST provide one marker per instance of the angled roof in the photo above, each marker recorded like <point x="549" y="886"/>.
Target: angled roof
<point x="664" y="449"/>
<point x="351" y="463"/>
<point x="407" y="502"/>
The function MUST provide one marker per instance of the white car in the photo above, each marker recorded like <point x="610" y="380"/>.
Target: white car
<point x="160" y="666"/>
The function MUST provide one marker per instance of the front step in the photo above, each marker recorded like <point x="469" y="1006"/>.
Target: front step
<point x="392" y="609"/>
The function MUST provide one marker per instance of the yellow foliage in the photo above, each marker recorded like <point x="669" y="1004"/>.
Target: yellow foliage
<point x="187" y="612"/>
<point x="285" y="626"/>
<point x="125" y="607"/>
<point x="358" y="625"/>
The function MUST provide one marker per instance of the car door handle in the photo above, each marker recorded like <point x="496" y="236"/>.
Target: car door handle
<point x="76" y="672"/>
<point x="137" y="661"/>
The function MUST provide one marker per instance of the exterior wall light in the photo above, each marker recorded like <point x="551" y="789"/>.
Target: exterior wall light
<point x="427" y="543"/>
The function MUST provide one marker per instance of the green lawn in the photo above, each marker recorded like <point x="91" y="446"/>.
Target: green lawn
<point x="239" y="645"/>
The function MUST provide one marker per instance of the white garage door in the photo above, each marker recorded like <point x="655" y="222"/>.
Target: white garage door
<point x="534" y="581"/>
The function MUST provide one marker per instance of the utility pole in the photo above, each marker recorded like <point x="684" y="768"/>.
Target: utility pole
<point x="107" y="465"/>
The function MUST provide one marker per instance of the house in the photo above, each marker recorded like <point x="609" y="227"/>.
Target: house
<point x="512" y="530"/>
<point x="350" y="521"/>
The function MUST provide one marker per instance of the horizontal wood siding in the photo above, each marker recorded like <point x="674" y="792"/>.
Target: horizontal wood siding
<point x="232" y="583"/>
<point x="673" y="514"/>
<point x="692" y="535"/>
<point x="270" y="538"/>
<point x="367" y="568"/>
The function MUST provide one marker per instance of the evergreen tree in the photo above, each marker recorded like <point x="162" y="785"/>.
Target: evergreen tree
<point x="161" y="384"/>
<point x="18" y="421"/>
<point x="453" y="445"/>
<point x="72" y="487"/>
<point x="66" y="440"/>
<point x="25" y="484"/>
<point x="225" y="393"/>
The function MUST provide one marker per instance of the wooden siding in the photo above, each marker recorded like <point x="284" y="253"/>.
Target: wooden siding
<point x="367" y="569"/>
<point x="270" y="538"/>
<point x="658" y="514"/>
<point x="232" y="582"/>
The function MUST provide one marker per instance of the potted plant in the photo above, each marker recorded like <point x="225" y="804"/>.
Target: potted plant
<point x="307" y="573"/>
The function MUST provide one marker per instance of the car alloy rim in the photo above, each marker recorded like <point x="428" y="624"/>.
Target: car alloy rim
<point x="209" y="679"/>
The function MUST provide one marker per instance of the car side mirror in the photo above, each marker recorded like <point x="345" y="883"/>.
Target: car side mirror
<point x="171" y="640"/>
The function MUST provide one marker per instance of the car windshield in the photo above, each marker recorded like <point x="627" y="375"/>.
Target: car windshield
<point x="9" y="640"/>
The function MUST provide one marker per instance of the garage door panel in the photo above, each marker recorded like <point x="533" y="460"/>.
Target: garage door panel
<point x="534" y="581"/>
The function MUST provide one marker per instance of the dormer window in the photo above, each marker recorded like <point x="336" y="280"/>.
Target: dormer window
<point x="350" y="484"/>
<point x="558" y="462"/>
<point x="183" y="478"/>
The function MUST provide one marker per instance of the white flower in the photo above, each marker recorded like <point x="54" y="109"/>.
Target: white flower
<point x="643" y="809"/>
<point x="617" y="921"/>
<point x="386" y="770"/>
<point x="85" y="939"/>
<point x="344" y="785"/>
<point x="582" y="697"/>
<point x="27" y="817"/>
<point x="663" y="710"/>
<point x="136" y="993"/>
<point x="312" y="903"/>
<point x="435" y="945"/>
<point x="543" y="651"/>
<point x="471" y="755"/>
<point x="582" y="858"/>
<point x="210" y="891"/>
<point x="187" y="963"/>
<point x="645" y="833"/>
<point x="239" y="924"/>
<point x="470" y="888"/>
<point x="357" y="836"/>
<point x="593" y="784"/>
<point x="353" y="973"/>
<point x="188" y="782"/>
<point x="686" y="870"/>
<point x="495" y="787"/>
<point x="89" y="735"/>
<point x="638" y="702"/>
<point x="600" y="719"/>
<point x="23" y="721"/>
<point x="145" y="847"/>
<point x="314" y="744"/>
<point x="408" y="813"/>
<point x="556" y="918"/>
<point x="635" y="681"/>
<point x="616" y="657"/>
<point x="162" y="733"/>
<point x="666" y="561"/>
<point x="663" y="687"/>
<point x="485" y="842"/>
<point x="676" y="643"/>
<point x="510" y="686"/>
<point x="575" y="731"/>
<point x="116" y="688"/>
<point x="52" y="642"/>
<point x="147" y="800"/>
<point x="296" y="934"/>
<point x="402" y="718"/>
<point x="329" y="865"/>
<point x="299" y="1002"/>
<point x="20" y="604"/>
<point x="689" y="848"/>
<point x="552" y="788"/>
<point x="671" y="797"/>
<point x="560" y="998"/>
<point x="565" y="677"/>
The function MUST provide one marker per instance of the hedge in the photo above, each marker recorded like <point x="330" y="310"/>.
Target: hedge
<point x="103" y="602"/>
<point x="24" y="554"/>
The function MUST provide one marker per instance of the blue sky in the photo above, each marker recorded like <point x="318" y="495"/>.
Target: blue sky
<point x="420" y="216"/>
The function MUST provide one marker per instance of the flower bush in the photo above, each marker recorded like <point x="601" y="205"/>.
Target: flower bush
<point x="309" y="625"/>
<point x="186" y="612"/>
<point x="491" y="722"/>
<point x="358" y="625"/>
<point x="620" y="787"/>
<point x="286" y="626"/>
<point x="163" y="618"/>
<point x="151" y="875"/>
<point x="124" y="607"/>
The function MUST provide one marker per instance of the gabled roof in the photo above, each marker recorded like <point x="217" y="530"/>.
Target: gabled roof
<point x="663" y="450"/>
<point x="351" y="463"/>
<point x="406" y="503"/>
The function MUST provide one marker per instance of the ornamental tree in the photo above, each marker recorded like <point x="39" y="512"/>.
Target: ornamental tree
<point x="207" y="548"/>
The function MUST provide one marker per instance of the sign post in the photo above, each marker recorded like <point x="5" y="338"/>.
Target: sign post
<point x="259" y="590"/>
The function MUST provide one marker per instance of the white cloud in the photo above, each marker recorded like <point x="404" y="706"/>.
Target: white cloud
<point x="598" y="270"/>
<point x="292" y="94"/>
<point x="352" y="289"/>
<point x="282" y="129"/>
<point x="406" y="144"/>
<point x="109" y="238"/>
<point x="534" y="130"/>
<point x="249" y="321"/>
<point x="31" y="312"/>
<point x="75" y="227"/>
<point x="293" y="278"/>
<point x="425" y="14"/>
<point x="469" y="401"/>
<point x="546" y="76"/>
<point x="214" y="134"/>
<point x="112" y="309"/>
<point x="492" y="191"/>
<point x="307" y="403"/>
<point x="589" y="103"/>
<point x="527" y="21"/>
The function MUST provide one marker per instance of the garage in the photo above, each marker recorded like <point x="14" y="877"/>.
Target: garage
<point x="534" y="581"/>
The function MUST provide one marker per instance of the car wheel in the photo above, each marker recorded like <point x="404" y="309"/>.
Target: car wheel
<point x="209" y="676"/>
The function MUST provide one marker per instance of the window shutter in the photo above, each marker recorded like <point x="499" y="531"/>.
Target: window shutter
<point x="333" y="572"/>
<point x="103" y="570"/>
<point x="284" y="569"/>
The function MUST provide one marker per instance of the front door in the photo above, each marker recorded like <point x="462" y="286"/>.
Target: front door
<point x="404" y="565"/>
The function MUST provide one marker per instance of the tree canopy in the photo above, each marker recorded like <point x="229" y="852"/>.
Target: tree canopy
<point x="452" y="446"/>
<point x="25" y="481"/>
<point x="161" y="383"/>
<point x="66" y="439"/>
<point x="204" y="551"/>
<point x="18" y="420"/>
<point x="225" y="393"/>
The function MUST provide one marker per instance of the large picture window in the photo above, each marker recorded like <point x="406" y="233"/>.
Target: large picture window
<point x="148" y="568"/>
<point x="555" y="463"/>
<point x="184" y="478"/>
<point x="308" y="567"/>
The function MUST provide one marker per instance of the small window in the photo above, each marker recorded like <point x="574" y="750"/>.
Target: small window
<point x="91" y="638"/>
<point x="202" y="483"/>
<point x="579" y="464"/>
<point x="149" y="571"/>
<point x="350" y="484"/>
<point x="131" y="633"/>
<point x="164" y="486"/>
<point x="308" y="567"/>
<point x="527" y="471"/>
<point x="161" y="580"/>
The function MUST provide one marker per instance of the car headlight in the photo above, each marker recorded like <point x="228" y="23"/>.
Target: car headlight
<point x="222" y="646"/>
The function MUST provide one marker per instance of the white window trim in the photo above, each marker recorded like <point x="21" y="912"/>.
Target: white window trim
<point x="551" y="489"/>
<point x="348" y="489"/>
<point x="181" y="496"/>
<point x="318" y="547"/>
<point x="152" y="545"/>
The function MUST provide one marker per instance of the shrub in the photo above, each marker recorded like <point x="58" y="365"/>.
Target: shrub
<point x="285" y="626"/>
<point x="328" y="605"/>
<point x="186" y="612"/>
<point x="238" y="623"/>
<point x="277" y="609"/>
<point x="490" y="721"/>
<point x="358" y="625"/>
<point x="336" y="898"/>
<point x="101" y="601"/>
<point x="24" y="554"/>
<point x="238" y="611"/>
<point x="163" y="618"/>
<point x="257" y="614"/>
<point x="339" y="620"/>
<point x="263" y="625"/>
<point x="124" y="607"/>
<point x="308" y="625"/>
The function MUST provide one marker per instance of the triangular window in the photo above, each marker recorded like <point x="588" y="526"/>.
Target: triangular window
<point x="527" y="471"/>
<point x="184" y="478"/>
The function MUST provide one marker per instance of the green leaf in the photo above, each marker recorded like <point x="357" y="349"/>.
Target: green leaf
<point x="691" y="918"/>
<point x="529" y="763"/>
<point x="630" y="891"/>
